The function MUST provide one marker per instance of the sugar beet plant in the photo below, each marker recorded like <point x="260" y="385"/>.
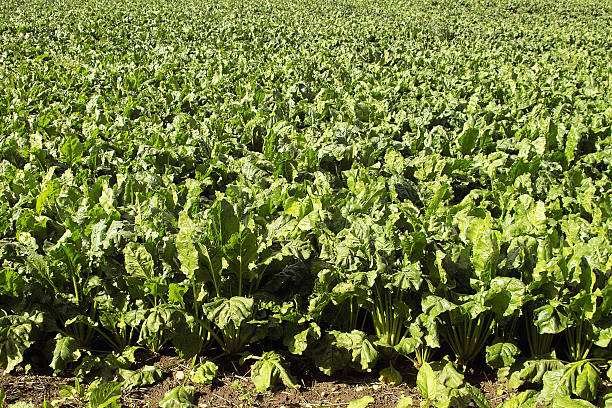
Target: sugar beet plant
<point x="353" y="182"/>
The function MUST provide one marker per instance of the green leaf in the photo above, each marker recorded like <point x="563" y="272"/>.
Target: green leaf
<point x="204" y="373"/>
<point x="533" y="370"/>
<point x="588" y="382"/>
<point x="104" y="394"/>
<point x="501" y="355"/>
<point x="468" y="139"/>
<point x="186" y="249"/>
<point x="390" y="375"/>
<point x="14" y="340"/>
<point x="427" y="382"/>
<point x="2" y="398"/>
<point x="267" y="369"/>
<point x="550" y="320"/>
<point x="72" y="149"/>
<point x="225" y="222"/>
<point x="66" y="351"/>
<point x="21" y="404"/>
<point x="49" y="193"/>
<point x="225" y="311"/>
<point x="505" y="296"/>
<point x="477" y="396"/>
<point x="146" y="376"/>
<point x="404" y="402"/>
<point x="361" y="402"/>
<point x="338" y="350"/>
<point x="567" y="402"/>
<point x="526" y="399"/>
<point x="556" y="384"/>
<point x="298" y="343"/>
<point x="178" y="397"/>
<point x="138" y="261"/>
<point x="573" y="140"/>
<point x="241" y="252"/>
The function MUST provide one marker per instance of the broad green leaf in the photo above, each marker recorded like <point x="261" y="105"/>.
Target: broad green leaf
<point x="468" y="139"/>
<point x="138" y="261"/>
<point x="225" y="311"/>
<point x="572" y="141"/>
<point x="587" y="382"/>
<point x="66" y="351"/>
<point x="477" y="396"/>
<point x="21" y="404"/>
<point x="49" y="193"/>
<point x="14" y="340"/>
<point x="298" y="343"/>
<point x="501" y="355"/>
<point x="533" y="371"/>
<point x="338" y="350"/>
<point x="427" y="382"/>
<point x="361" y="402"/>
<point x="526" y="399"/>
<point x="72" y="149"/>
<point x="225" y="221"/>
<point x="390" y="375"/>
<point x="267" y="369"/>
<point x="146" y="376"/>
<point x="186" y="249"/>
<point x="204" y="373"/>
<point x="404" y="402"/>
<point x="241" y="253"/>
<point x="178" y="397"/>
<point x="555" y="384"/>
<point x="550" y="320"/>
<point x="104" y="394"/>
<point x="505" y="296"/>
<point x="567" y="402"/>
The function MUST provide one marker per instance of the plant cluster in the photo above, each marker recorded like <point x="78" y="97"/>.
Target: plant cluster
<point x="352" y="182"/>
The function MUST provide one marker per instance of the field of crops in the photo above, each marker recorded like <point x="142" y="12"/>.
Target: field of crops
<point x="350" y="184"/>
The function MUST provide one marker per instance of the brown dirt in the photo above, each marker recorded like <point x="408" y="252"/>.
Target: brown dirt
<point x="233" y="388"/>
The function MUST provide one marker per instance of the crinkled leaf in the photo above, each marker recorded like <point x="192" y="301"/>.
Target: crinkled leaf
<point x="563" y="401"/>
<point x="66" y="351"/>
<point x="505" y="296"/>
<point x="338" y="350"/>
<point x="361" y="402"/>
<point x="550" y="320"/>
<point x="390" y="375"/>
<point x="501" y="355"/>
<point x="587" y="382"/>
<point x="178" y="397"/>
<point x="72" y="149"/>
<point x="146" y="376"/>
<point x="21" y="404"/>
<point x="427" y="382"/>
<point x="555" y="384"/>
<point x="475" y="395"/>
<point x="404" y="402"/>
<point x="526" y="399"/>
<point x="138" y="261"/>
<point x="204" y="373"/>
<point x="266" y="370"/>
<point x="225" y="311"/>
<point x="533" y="371"/>
<point x="104" y="394"/>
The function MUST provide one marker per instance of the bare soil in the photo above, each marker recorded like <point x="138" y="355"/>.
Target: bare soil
<point x="233" y="387"/>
